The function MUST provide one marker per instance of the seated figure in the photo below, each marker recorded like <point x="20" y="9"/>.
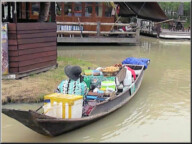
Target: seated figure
<point x="75" y="84"/>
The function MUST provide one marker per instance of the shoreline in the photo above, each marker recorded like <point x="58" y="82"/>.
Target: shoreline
<point x="31" y="89"/>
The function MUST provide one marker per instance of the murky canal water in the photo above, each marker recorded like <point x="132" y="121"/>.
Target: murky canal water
<point x="159" y="112"/>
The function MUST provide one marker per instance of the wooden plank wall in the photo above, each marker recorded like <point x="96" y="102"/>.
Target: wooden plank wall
<point x="32" y="46"/>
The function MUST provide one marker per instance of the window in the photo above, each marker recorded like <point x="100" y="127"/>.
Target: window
<point x="58" y="8"/>
<point x="99" y="9"/>
<point x="35" y="7"/>
<point x="68" y="8"/>
<point x="88" y="9"/>
<point x="108" y="9"/>
<point x="78" y="9"/>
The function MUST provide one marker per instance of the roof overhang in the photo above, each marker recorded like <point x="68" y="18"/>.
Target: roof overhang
<point x="144" y="10"/>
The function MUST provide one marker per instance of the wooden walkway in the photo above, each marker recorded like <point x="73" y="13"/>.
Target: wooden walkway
<point x="96" y="40"/>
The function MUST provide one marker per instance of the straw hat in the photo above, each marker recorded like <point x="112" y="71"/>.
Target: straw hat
<point x="73" y="72"/>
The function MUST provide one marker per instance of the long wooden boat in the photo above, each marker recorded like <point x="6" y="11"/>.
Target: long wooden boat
<point x="51" y="126"/>
<point x="175" y="36"/>
<point x="167" y="34"/>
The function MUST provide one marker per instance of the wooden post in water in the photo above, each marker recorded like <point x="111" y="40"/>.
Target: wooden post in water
<point x="98" y="28"/>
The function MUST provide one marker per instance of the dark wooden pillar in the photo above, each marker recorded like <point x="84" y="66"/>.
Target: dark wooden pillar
<point x="9" y="11"/>
<point x="103" y="12"/>
<point x="93" y="9"/>
<point x="3" y="13"/>
<point x="18" y="9"/>
<point x="44" y="11"/>
<point x="23" y="12"/>
<point x="62" y="11"/>
<point x="27" y="11"/>
<point x="52" y="10"/>
<point x="83" y="8"/>
<point x="14" y="12"/>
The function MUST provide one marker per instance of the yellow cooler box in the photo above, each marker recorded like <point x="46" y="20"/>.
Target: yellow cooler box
<point x="63" y="105"/>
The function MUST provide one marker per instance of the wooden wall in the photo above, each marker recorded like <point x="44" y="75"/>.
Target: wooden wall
<point x="31" y="46"/>
<point x="83" y="18"/>
<point x="93" y="18"/>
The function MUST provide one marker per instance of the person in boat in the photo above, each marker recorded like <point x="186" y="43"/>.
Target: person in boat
<point x="75" y="84"/>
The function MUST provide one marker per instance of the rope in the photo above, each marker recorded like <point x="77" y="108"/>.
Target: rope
<point x="141" y="7"/>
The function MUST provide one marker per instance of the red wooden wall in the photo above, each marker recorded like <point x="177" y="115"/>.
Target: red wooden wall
<point x="93" y="18"/>
<point x="31" y="46"/>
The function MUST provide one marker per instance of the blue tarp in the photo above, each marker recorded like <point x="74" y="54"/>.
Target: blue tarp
<point x="137" y="61"/>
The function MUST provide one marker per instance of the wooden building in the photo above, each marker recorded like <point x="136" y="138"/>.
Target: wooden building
<point x="85" y="22"/>
<point x="85" y="11"/>
<point x="32" y="46"/>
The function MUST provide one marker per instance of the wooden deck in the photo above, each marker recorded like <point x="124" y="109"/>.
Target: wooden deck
<point x="96" y="40"/>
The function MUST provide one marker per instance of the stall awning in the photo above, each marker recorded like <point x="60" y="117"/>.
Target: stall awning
<point x="125" y="11"/>
<point x="145" y="10"/>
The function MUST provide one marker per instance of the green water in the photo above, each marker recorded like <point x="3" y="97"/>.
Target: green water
<point x="159" y="112"/>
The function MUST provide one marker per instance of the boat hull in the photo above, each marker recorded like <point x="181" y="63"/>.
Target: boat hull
<point x="51" y="126"/>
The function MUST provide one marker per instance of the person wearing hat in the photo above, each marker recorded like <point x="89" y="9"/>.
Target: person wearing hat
<point x="75" y="84"/>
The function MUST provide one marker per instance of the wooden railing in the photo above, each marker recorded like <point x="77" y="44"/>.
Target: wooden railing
<point x="94" y="23"/>
<point x="60" y="33"/>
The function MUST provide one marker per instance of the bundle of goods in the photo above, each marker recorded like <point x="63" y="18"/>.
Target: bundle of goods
<point x="137" y="61"/>
<point x="90" y="97"/>
<point x="92" y="72"/>
<point x="63" y="105"/>
<point x="118" y="65"/>
<point x="88" y="107"/>
<point x="108" y="85"/>
<point x="97" y="95"/>
<point x="95" y="81"/>
<point x="88" y="72"/>
<point x="110" y="71"/>
<point x="101" y="87"/>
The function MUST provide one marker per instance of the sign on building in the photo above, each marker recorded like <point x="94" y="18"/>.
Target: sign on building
<point x="4" y="49"/>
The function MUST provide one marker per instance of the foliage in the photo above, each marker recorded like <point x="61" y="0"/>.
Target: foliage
<point x="173" y="6"/>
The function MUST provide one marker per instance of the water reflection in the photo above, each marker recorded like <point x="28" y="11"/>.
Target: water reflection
<point x="160" y="111"/>
<point x="145" y="46"/>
